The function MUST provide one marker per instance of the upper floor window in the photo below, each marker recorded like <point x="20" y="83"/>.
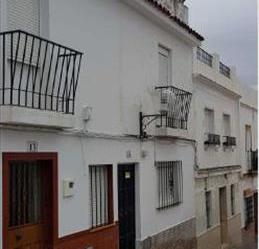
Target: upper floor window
<point x="24" y="15"/>
<point x="169" y="176"/>
<point x="101" y="195"/>
<point x="209" y="121"/>
<point x="226" y="125"/>
<point x="164" y="56"/>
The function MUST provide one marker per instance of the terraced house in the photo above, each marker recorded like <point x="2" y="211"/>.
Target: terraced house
<point x="107" y="136"/>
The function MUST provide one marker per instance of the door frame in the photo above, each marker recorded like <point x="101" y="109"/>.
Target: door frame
<point x="44" y="156"/>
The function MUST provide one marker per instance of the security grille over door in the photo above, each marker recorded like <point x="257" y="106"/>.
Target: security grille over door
<point x="25" y="198"/>
<point x="169" y="176"/>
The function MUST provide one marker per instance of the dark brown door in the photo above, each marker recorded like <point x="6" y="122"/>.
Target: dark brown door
<point x="126" y="195"/>
<point x="29" y="192"/>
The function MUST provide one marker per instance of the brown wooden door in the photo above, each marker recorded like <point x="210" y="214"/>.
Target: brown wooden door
<point x="29" y="205"/>
<point x="223" y="216"/>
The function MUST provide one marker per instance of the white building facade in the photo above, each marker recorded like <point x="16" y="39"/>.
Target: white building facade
<point x="84" y="163"/>
<point x="217" y="180"/>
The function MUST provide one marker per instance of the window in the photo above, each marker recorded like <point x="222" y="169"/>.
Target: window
<point x="101" y="195"/>
<point x="232" y="196"/>
<point x="208" y="208"/>
<point x="209" y="121"/>
<point x="249" y="210"/>
<point x="164" y="66"/>
<point x="226" y="125"/>
<point x="169" y="176"/>
<point x="24" y="15"/>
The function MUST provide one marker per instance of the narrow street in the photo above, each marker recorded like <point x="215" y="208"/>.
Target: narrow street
<point x="249" y="241"/>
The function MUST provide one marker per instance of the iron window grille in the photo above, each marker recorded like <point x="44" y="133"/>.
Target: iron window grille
<point x="25" y="200"/>
<point x="208" y="208"/>
<point x="204" y="56"/>
<point x="249" y="210"/>
<point x="37" y="73"/>
<point x="212" y="139"/>
<point x="170" y="184"/>
<point x="225" y="70"/>
<point x="229" y="141"/>
<point x="232" y="196"/>
<point x="100" y="195"/>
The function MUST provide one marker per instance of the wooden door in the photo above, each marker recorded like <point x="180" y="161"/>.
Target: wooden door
<point x="223" y="216"/>
<point x="28" y="193"/>
<point x="126" y="196"/>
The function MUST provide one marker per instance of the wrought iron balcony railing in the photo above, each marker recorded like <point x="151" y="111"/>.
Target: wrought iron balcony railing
<point x="175" y="107"/>
<point x="37" y="73"/>
<point x="174" y="110"/>
<point x="225" y="70"/>
<point x="252" y="160"/>
<point x="229" y="141"/>
<point x="204" y="56"/>
<point x="212" y="139"/>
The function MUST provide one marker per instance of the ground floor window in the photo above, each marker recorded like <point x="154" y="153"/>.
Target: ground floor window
<point x="101" y="195"/>
<point x="169" y="176"/>
<point x="249" y="210"/>
<point x="208" y="203"/>
<point x="233" y="198"/>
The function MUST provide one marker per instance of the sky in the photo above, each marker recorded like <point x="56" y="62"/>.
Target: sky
<point x="230" y="30"/>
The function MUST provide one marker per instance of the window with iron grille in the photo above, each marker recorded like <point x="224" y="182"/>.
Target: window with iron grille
<point x="169" y="176"/>
<point x="208" y="208"/>
<point x="101" y="195"/>
<point x="232" y="196"/>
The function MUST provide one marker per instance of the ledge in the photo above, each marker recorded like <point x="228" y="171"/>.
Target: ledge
<point x="14" y="115"/>
<point x="172" y="133"/>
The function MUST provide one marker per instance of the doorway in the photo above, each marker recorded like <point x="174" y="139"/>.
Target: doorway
<point x="223" y="216"/>
<point x="126" y="205"/>
<point x="29" y="200"/>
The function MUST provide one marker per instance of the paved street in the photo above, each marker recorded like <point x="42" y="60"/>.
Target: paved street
<point x="249" y="241"/>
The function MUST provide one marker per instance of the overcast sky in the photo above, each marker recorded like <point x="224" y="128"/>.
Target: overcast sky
<point x="230" y="29"/>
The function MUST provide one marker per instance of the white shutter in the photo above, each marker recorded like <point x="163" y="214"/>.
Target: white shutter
<point x="164" y="66"/>
<point x="248" y="137"/>
<point x="226" y="125"/>
<point x="209" y="121"/>
<point x="24" y="15"/>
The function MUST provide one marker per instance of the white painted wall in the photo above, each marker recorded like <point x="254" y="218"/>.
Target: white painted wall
<point x="206" y="96"/>
<point x="118" y="75"/>
<point x="76" y="153"/>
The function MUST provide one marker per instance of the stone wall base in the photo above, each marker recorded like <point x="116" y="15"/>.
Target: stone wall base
<point x="182" y="236"/>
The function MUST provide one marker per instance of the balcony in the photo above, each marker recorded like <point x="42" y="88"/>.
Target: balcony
<point x="208" y="69"/>
<point x="212" y="139"/>
<point x="252" y="161"/>
<point x="229" y="141"/>
<point x="38" y="80"/>
<point x="172" y="119"/>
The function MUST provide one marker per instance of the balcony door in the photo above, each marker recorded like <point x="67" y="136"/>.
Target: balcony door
<point x="28" y="203"/>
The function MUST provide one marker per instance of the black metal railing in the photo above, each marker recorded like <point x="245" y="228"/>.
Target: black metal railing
<point x="204" y="56"/>
<point x="229" y="141"/>
<point x="212" y="139"/>
<point x="225" y="70"/>
<point x="175" y="107"/>
<point x="252" y="160"/>
<point x="37" y="73"/>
